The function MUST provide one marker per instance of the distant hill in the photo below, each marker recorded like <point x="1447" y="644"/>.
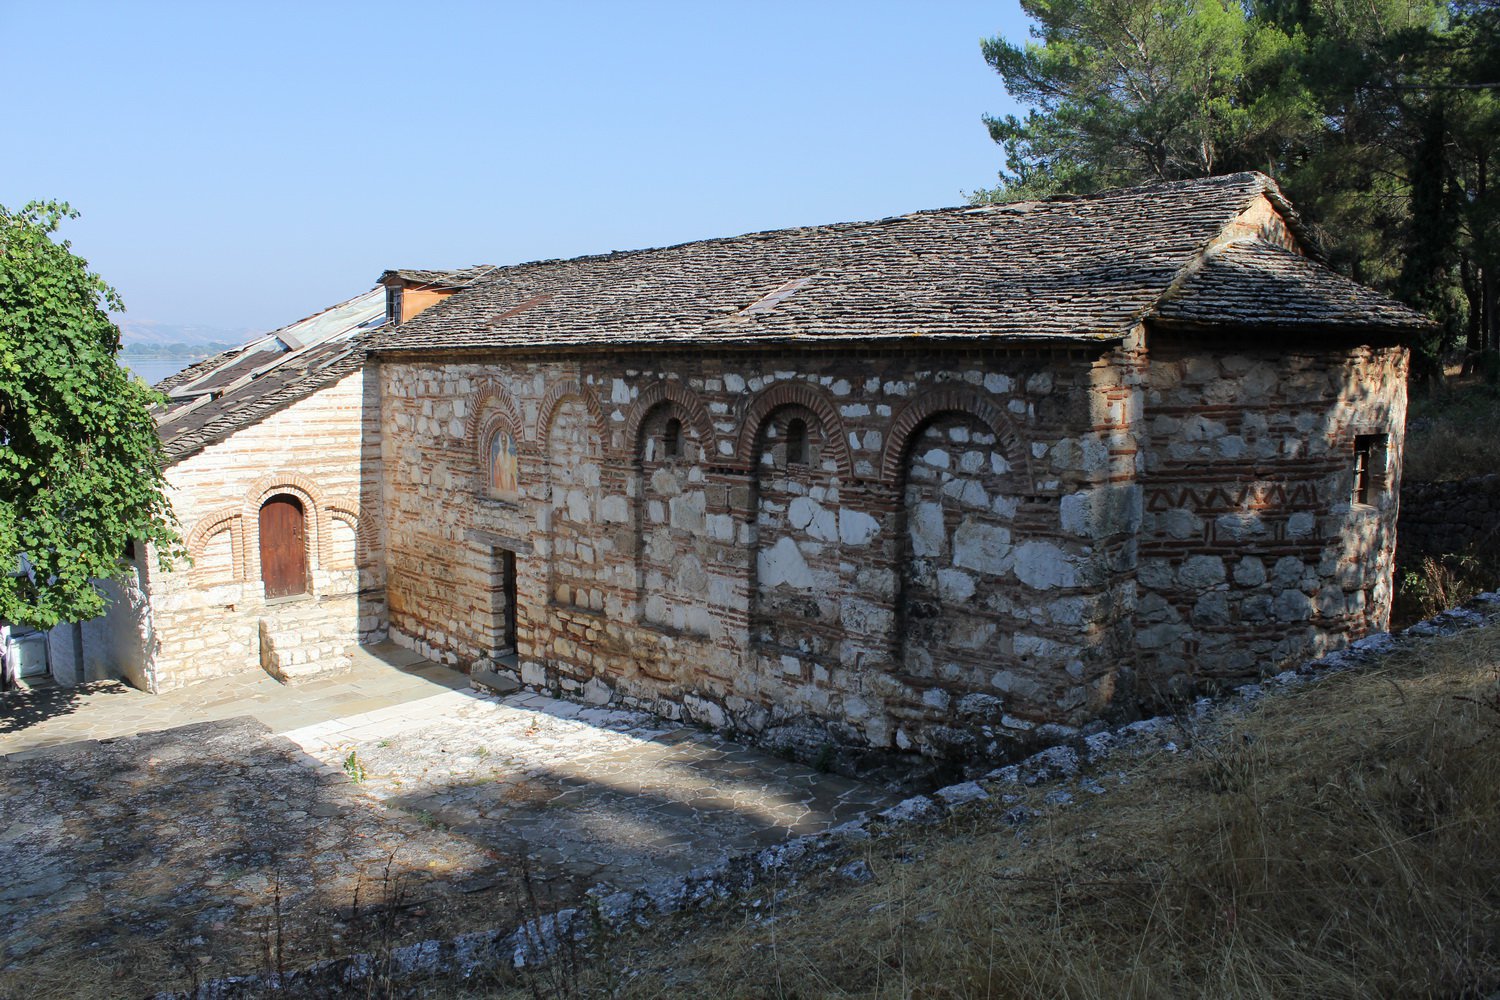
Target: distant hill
<point x="203" y="339"/>
<point x="175" y="350"/>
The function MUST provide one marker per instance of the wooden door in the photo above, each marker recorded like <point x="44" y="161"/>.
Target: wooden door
<point x="283" y="546"/>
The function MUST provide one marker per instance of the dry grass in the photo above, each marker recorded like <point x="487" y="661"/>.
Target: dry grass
<point x="1451" y="431"/>
<point x="1343" y="841"/>
<point x="1436" y="583"/>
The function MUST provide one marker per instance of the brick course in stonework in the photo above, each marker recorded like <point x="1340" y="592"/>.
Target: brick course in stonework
<point x="972" y="544"/>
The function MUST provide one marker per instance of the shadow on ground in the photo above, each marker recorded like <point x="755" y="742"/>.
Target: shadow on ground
<point x="158" y="860"/>
<point x="22" y="709"/>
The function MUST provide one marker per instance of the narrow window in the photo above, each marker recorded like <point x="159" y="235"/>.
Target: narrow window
<point x="1369" y="468"/>
<point x="796" y="442"/>
<point x="283" y="546"/>
<point x="671" y="442"/>
<point x="393" y="304"/>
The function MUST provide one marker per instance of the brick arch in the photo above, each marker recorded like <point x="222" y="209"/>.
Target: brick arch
<point x="314" y="508"/>
<point x="959" y="399"/>
<point x="346" y="511"/>
<point x="559" y="393"/>
<point x="230" y="519"/>
<point x="783" y="394"/>
<point x="685" y="400"/>
<point x="490" y="391"/>
<point x="366" y="537"/>
<point x="283" y="482"/>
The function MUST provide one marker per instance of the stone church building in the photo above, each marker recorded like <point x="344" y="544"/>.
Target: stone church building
<point x="930" y="482"/>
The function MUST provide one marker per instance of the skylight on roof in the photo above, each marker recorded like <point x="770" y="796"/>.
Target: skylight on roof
<point x="768" y="302"/>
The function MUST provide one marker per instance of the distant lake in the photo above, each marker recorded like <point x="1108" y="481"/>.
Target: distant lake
<point x="153" y="370"/>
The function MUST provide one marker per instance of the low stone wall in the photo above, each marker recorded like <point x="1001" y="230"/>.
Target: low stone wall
<point x="1449" y="517"/>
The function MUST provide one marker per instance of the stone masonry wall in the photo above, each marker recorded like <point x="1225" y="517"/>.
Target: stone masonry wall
<point x="210" y="617"/>
<point x="966" y="553"/>
<point x="1254" y="552"/>
<point x="1448" y="517"/>
<point x="737" y="591"/>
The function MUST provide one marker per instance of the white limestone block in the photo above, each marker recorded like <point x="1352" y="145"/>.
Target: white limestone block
<point x="998" y="383"/>
<point x="1042" y="565"/>
<point x="578" y="507"/>
<point x="955" y="585"/>
<point x="687" y="512"/>
<point x="856" y="527"/>
<point x="926" y="527"/>
<point x="614" y="510"/>
<point x="801" y="511"/>
<point x="824" y="527"/>
<point x="936" y="457"/>
<point x="983" y="547"/>
<point x="782" y="563"/>
<point x="721" y="527"/>
<point x="596" y="692"/>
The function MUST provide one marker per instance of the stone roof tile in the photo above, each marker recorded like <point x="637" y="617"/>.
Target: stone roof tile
<point x="1086" y="268"/>
<point x="1254" y="283"/>
<point x="458" y="278"/>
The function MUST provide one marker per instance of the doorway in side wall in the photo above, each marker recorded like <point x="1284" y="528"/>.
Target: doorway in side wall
<point x="502" y="600"/>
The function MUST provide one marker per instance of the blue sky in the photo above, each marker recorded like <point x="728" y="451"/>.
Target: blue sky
<point x="243" y="165"/>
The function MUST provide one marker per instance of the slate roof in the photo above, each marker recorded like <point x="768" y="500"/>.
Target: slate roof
<point x="460" y="278"/>
<point x="1087" y="268"/>
<point x="216" y="397"/>
<point x="1250" y="282"/>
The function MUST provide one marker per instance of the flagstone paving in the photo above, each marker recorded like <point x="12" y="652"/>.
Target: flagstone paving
<point x="393" y="807"/>
<point x="381" y="676"/>
<point x="601" y="794"/>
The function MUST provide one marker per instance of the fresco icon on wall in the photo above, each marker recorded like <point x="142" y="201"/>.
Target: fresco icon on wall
<point x="504" y="478"/>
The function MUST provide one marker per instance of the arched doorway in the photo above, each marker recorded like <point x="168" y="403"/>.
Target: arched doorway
<point x="283" y="546"/>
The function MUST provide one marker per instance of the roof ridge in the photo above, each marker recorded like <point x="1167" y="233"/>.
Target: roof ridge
<point x="1057" y="200"/>
<point x="1200" y="257"/>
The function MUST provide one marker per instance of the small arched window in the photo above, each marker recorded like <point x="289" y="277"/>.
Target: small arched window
<point x="671" y="439"/>
<point x="283" y="546"/>
<point x="796" y="441"/>
<point x="504" y="472"/>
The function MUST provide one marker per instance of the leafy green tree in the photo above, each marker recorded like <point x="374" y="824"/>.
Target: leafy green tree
<point x="1131" y="91"/>
<point x="1379" y="118"/>
<point x="80" y="460"/>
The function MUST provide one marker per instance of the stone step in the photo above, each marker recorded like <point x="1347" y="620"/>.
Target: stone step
<point x="482" y="679"/>
<point x="292" y="654"/>
<point x="38" y="683"/>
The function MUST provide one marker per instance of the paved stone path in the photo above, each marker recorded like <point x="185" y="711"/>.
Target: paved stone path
<point x="381" y="677"/>
<point x="595" y="794"/>
<point x="393" y="806"/>
<point x="195" y="847"/>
